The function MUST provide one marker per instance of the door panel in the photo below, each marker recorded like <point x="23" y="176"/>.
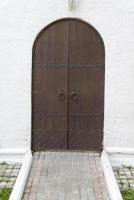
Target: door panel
<point x="50" y="79"/>
<point x="68" y="87"/>
<point x="86" y="79"/>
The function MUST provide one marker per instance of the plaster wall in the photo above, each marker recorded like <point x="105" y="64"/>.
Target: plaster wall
<point x="21" y="21"/>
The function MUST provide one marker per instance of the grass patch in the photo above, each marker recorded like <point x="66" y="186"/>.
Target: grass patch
<point x="3" y="163"/>
<point x="128" y="194"/>
<point x="5" y="193"/>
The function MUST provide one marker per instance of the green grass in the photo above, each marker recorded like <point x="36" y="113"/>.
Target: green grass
<point x="3" y="163"/>
<point x="128" y="194"/>
<point x="5" y="193"/>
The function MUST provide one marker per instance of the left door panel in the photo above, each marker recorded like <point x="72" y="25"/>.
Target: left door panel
<point x="50" y="88"/>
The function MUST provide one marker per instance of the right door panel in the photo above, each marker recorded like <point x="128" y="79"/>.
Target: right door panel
<point x="86" y="88"/>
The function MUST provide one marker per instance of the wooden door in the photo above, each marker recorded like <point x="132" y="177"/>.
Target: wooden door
<point x="86" y="87"/>
<point x="68" y="87"/>
<point x="50" y="79"/>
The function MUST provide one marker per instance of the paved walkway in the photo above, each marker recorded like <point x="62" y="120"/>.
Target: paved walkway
<point x="66" y="176"/>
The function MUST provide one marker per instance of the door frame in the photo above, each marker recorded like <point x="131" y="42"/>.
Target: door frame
<point x="33" y="53"/>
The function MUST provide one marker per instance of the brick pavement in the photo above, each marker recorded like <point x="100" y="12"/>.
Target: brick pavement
<point x="66" y="176"/>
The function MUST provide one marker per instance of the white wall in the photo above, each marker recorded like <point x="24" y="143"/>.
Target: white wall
<point x="21" y="21"/>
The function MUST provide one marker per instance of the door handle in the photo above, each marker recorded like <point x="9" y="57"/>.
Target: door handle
<point x="74" y="96"/>
<point x="62" y="96"/>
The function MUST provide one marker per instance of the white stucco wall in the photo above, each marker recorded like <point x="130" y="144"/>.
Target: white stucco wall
<point x="21" y="21"/>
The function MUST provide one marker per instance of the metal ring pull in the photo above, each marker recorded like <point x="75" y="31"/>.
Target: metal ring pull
<point x="74" y="96"/>
<point x="62" y="96"/>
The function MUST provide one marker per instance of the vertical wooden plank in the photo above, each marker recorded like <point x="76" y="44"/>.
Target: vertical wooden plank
<point x="86" y="87"/>
<point x="50" y="78"/>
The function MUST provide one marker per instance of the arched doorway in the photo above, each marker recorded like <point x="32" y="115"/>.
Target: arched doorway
<point x="68" y="87"/>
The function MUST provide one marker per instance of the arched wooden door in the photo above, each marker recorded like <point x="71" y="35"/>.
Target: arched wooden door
<point x="68" y="87"/>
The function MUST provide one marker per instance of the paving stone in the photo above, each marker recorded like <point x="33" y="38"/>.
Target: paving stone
<point x="12" y="179"/>
<point x="8" y="174"/>
<point x="9" y="170"/>
<point x="10" y="167"/>
<point x="14" y="173"/>
<point x="124" y="176"/>
<point x="2" y="184"/>
<point x="2" y="170"/>
<point x="10" y="185"/>
<point x="5" y="179"/>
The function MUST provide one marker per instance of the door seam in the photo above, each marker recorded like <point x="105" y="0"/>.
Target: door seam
<point x="68" y="88"/>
